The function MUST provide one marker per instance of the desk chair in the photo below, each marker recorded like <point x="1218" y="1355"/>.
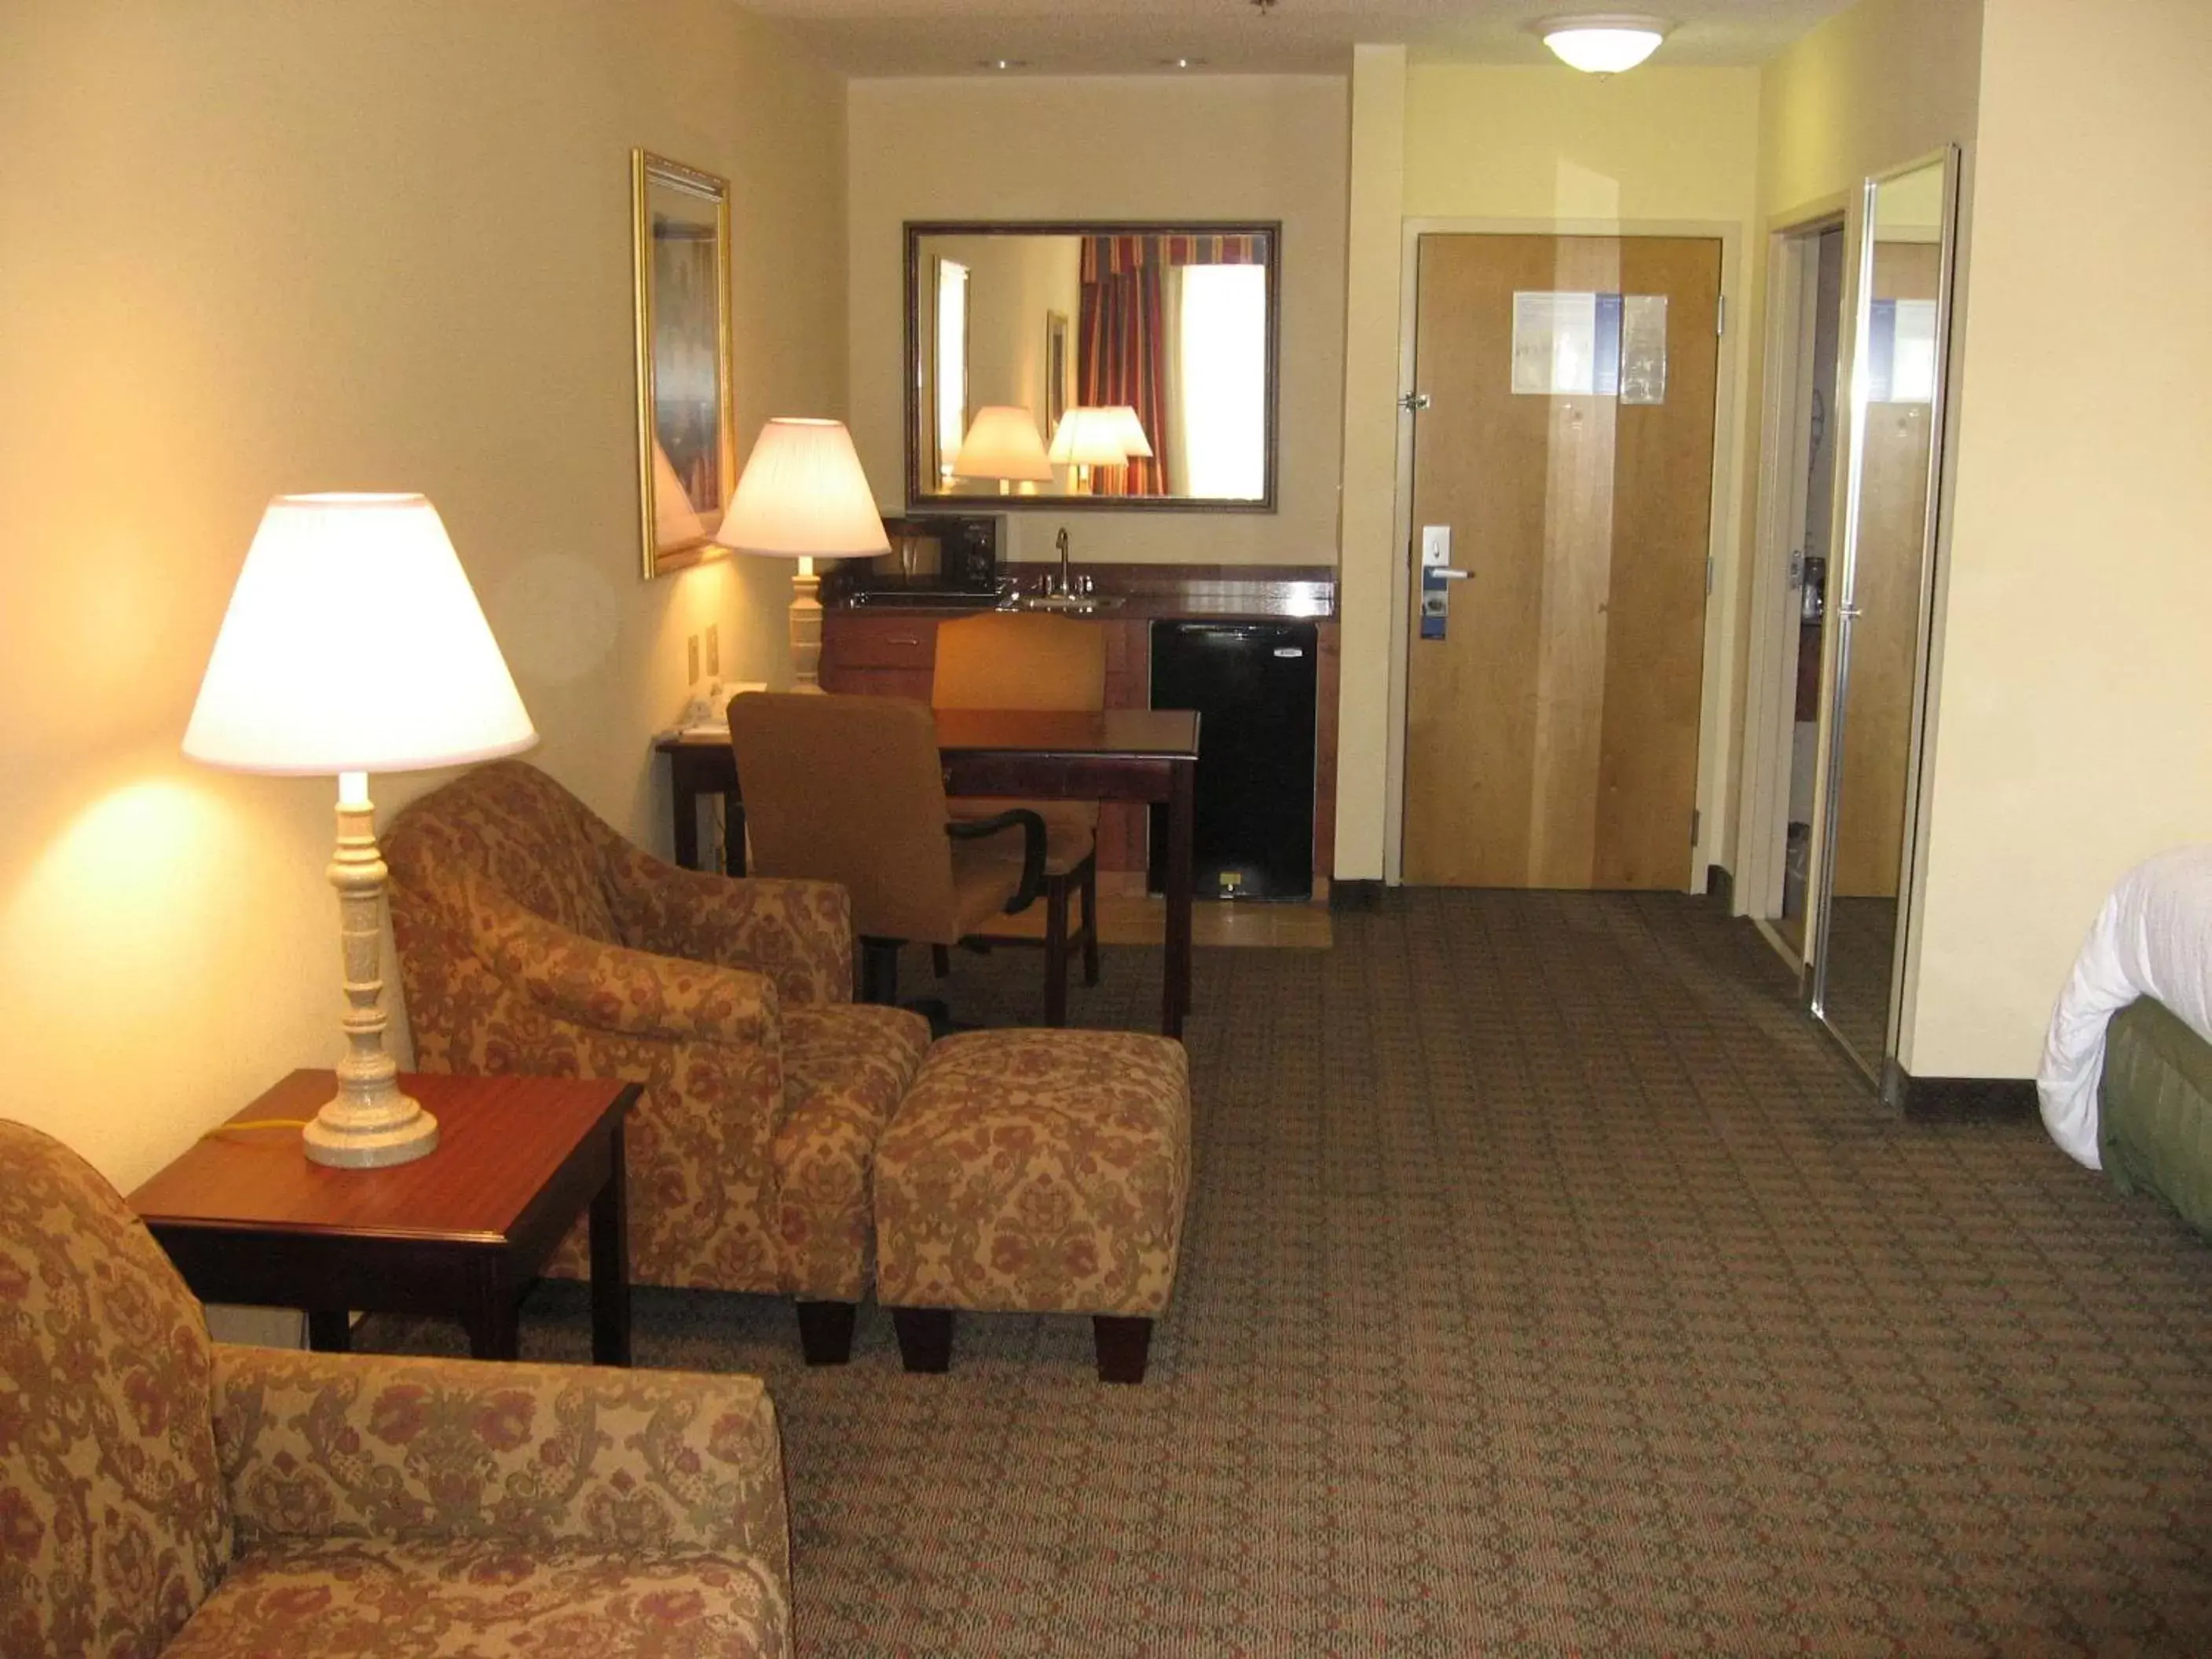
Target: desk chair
<point x="1018" y="659"/>
<point x="850" y="790"/>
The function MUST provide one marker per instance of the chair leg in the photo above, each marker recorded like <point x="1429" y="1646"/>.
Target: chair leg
<point x="1124" y="1344"/>
<point x="1091" y="920"/>
<point x="880" y="972"/>
<point x="925" y="1338"/>
<point x="941" y="959"/>
<point x="825" y="1332"/>
<point x="1055" y="950"/>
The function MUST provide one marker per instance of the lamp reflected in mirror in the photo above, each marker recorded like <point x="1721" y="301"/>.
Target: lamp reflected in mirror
<point x="1002" y="445"/>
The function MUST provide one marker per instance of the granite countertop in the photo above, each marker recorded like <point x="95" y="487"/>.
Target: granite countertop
<point x="1149" y="592"/>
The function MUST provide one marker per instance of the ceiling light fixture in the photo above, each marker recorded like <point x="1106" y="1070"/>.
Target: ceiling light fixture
<point x="1004" y="64"/>
<point x="1602" y="42"/>
<point x="1182" y="62"/>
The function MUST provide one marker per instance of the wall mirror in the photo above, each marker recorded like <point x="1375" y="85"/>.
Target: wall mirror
<point x="1124" y="367"/>
<point x="687" y="451"/>
<point x="1881" y="599"/>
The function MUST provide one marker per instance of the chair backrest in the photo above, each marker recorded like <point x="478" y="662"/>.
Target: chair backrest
<point x="1019" y="659"/>
<point x="109" y="1494"/>
<point x="850" y="790"/>
<point x="512" y="824"/>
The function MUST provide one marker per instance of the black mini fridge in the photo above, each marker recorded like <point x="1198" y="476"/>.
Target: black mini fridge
<point x="1253" y="685"/>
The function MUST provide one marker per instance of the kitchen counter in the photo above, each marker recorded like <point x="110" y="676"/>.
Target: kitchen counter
<point x="1152" y="593"/>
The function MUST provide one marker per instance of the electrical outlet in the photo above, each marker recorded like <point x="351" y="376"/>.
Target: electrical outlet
<point x="714" y="650"/>
<point x="691" y="657"/>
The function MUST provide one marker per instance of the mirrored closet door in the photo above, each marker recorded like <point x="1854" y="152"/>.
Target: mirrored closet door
<point x="1880" y="597"/>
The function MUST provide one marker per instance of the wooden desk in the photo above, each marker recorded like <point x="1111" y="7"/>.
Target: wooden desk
<point x="1120" y="754"/>
<point x="462" y="1233"/>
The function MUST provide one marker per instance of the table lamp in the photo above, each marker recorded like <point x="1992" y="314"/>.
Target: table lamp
<point x="1088" y="437"/>
<point x="1002" y="443"/>
<point x="353" y="644"/>
<point x="802" y="497"/>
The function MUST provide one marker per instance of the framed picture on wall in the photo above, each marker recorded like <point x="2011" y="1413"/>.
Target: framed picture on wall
<point x="1056" y="370"/>
<point x="686" y="435"/>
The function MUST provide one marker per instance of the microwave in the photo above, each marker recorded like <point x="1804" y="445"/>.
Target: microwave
<point x="946" y="558"/>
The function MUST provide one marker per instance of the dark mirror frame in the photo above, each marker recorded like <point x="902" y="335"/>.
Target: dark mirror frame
<point x="919" y="500"/>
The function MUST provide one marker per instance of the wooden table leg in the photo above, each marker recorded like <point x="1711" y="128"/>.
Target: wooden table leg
<point x="684" y="796"/>
<point x="1181" y="805"/>
<point x="611" y="1263"/>
<point x="496" y="1324"/>
<point x="330" y="1330"/>
<point x="733" y="835"/>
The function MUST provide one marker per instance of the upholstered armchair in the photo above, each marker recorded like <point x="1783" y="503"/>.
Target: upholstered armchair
<point x="533" y="939"/>
<point x="161" y="1493"/>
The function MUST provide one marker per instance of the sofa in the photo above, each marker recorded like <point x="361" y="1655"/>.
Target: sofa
<point x="533" y="939"/>
<point x="161" y="1493"/>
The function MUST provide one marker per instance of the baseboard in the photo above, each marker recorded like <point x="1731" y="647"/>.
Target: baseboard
<point x="1355" y="895"/>
<point x="1962" y="1099"/>
<point x="1720" y="884"/>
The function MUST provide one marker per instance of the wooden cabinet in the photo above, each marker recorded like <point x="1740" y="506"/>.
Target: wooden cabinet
<point x="887" y="655"/>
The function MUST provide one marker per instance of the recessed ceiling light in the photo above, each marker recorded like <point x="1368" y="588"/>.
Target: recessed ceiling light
<point x="1004" y="64"/>
<point x="1602" y="42"/>
<point x="1182" y="62"/>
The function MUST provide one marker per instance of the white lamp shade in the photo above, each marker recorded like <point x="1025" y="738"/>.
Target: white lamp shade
<point x="1604" y="42"/>
<point x="1002" y="442"/>
<point x="354" y="643"/>
<point x="1129" y="431"/>
<point x="1088" y="437"/>
<point x="804" y="495"/>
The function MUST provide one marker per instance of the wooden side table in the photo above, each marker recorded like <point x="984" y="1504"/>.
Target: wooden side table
<point x="462" y="1233"/>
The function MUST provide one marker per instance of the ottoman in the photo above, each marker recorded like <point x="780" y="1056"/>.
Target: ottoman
<point x="1036" y="1171"/>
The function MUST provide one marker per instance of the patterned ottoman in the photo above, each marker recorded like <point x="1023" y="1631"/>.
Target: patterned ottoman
<point x="1036" y="1171"/>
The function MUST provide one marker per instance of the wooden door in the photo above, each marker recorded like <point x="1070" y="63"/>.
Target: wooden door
<point x="1887" y="562"/>
<point x="1551" y="734"/>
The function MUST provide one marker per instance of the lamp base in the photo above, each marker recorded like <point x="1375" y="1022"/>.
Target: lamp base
<point x="370" y="1133"/>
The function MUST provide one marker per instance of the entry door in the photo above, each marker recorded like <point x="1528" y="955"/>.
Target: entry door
<point x="1567" y="446"/>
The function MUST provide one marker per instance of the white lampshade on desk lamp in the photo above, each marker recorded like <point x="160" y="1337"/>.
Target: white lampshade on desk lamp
<point x="1002" y="443"/>
<point x="1129" y="432"/>
<point x="353" y="644"/>
<point x="804" y="496"/>
<point x="1089" y="436"/>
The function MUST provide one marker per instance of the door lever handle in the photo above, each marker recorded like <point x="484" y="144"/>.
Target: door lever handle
<point x="1445" y="573"/>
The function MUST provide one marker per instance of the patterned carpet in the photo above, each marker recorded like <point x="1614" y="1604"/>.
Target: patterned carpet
<point x="1550" y="1286"/>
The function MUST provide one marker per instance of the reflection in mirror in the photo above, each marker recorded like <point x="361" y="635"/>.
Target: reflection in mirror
<point x="1141" y="359"/>
<point x="1896" y="415"/>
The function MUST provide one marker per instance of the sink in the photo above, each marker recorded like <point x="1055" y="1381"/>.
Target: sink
<point x="1077" y="604"/>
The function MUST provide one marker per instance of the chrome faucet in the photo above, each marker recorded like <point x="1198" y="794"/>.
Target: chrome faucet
<point x="1060" y="546"/>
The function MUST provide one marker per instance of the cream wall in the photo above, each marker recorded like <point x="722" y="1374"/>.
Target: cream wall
<point x="1501" y="148"/>
<point x="263" y="246"/>
<point x="2075" y="676"/>
<point x="1205" y="146"/>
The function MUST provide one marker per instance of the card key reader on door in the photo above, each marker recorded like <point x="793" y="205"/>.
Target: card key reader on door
<point x="1437" y="576"/>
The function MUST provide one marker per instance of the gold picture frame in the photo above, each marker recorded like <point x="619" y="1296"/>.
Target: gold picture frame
<point x="1058" y="369"/>
<point x="686" y="431"/>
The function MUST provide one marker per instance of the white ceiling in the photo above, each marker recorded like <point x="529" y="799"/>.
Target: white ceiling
<point x="1126" y="37"/>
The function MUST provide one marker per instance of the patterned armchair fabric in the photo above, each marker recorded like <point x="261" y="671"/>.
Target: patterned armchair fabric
<point x="1038" y="1171"/>
<point x="533" y="939"/>
<point x="160" y="1494"/>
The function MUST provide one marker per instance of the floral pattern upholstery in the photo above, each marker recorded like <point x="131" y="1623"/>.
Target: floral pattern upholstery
<point x="1041" y="1171"/>
<point x="533" y="939"/>
<point x="845" y="1071"/>
<point x="113" y="1523"/>
<point x="350" y="1595"/>
<point x="160" y="1494"/>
